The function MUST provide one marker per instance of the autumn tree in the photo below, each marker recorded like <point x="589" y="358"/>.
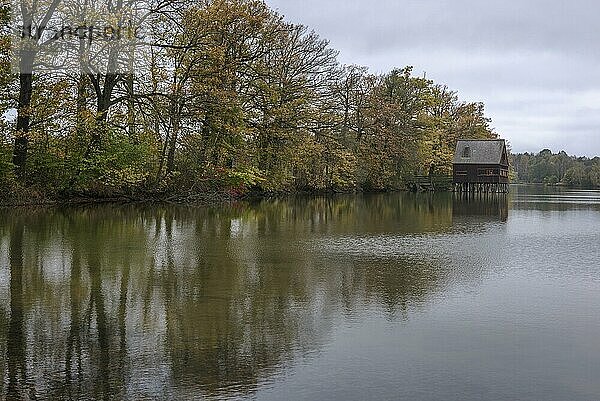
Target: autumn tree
<point x="216" y="95"/>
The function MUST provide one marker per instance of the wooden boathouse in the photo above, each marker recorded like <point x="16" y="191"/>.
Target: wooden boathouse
<point x="480" y="166"/>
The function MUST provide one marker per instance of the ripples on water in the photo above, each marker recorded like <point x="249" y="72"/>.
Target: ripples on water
<point x="397" y="296"/>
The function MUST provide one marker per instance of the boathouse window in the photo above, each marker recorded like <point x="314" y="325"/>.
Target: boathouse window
<point x="466" y="152"/>
<point x="487" y="172"/>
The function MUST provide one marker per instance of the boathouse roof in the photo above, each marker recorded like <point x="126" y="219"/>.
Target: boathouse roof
<point x="470" y="151"/>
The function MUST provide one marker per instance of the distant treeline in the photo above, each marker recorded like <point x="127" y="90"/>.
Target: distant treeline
<point x="560" y="168"/>
<point x="230" y="97"/>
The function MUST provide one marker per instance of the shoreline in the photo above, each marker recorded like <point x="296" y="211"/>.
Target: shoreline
<point x="190" y="199"/>
<point x="201" y="199"/>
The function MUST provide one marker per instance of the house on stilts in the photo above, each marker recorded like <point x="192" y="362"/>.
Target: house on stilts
<point x="481" y="166"/>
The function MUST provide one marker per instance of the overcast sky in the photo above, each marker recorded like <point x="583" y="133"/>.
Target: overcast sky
<point x="535" y="64"/>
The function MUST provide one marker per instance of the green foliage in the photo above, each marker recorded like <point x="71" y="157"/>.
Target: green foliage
<point x="248" y="177"/>
<point x="560" y="168"/>
<point x="116" y="167"/>
<point x="6" y="167"/>
<point x="576" y="176"/>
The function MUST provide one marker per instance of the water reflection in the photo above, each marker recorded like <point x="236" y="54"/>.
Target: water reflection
<point x="15" y="343"/>
<point x="554" y="199"/>
<point x="118" y="302"/>
<point x="485" y="206"/>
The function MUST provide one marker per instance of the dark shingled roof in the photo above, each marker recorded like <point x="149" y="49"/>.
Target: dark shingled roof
<point x="482" y="151"/>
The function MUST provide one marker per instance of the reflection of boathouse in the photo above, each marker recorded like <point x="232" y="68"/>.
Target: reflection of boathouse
<point x="489" y="207"/>
<point x="480" y="166"/>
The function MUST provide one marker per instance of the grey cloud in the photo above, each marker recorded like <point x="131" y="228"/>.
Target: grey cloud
<point x="465" y="23"/>
<point x="533" y="63"/>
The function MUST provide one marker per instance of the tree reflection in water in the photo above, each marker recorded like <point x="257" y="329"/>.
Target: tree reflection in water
<point x="490" y="207"/>
<point x="18" y="385"/>
<point x="113" y="302"/>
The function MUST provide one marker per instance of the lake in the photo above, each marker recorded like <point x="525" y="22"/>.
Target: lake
<point x="353" y="297"/>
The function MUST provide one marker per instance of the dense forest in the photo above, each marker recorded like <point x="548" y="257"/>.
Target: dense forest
<point x="560" y="168"/>
<point x="225" y="96"/>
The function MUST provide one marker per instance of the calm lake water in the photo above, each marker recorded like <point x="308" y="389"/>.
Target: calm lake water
<point x="380" y="297"/>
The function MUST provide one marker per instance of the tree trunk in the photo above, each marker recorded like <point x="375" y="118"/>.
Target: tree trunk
<point x="131" y="110"/>
<point x="173" y="140"/>
<point x="81" y="105"/>
<point x="23" y="118"/>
